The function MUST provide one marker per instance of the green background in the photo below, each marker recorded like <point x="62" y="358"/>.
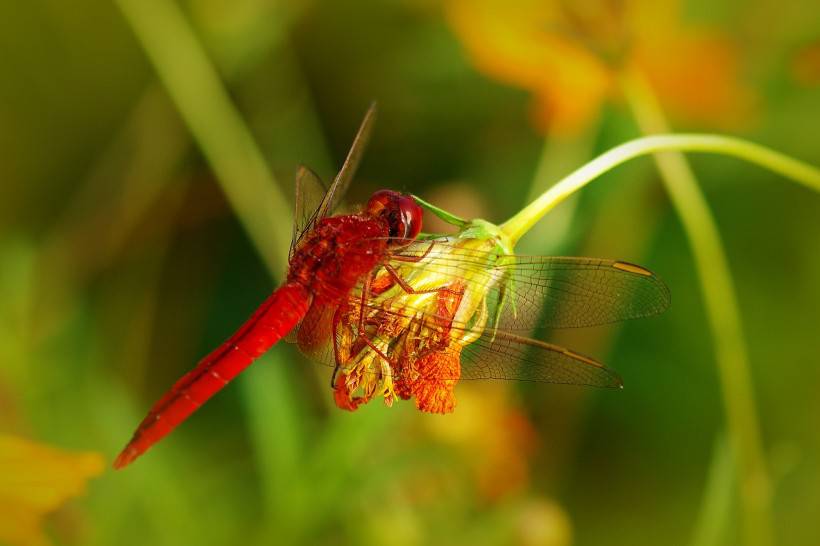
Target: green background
<point x="122" y="263"/>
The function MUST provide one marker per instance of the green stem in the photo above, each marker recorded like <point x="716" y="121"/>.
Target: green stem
<point x="204" y="104"/>
<point x="721" y="304"/>
<point x="794" y="169"/>
<point x="710" y="529"/>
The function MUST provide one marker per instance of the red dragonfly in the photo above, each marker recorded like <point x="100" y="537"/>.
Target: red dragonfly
<point x="359" y="295"/>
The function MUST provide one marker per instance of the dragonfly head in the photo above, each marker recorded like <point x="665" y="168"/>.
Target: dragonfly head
<point x="401" y="213"/>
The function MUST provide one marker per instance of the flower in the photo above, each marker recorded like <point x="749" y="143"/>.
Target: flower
<point x="413" y="349"/>
<point x="429" y="366"/>
<point x="569" y="55"/>
<point x="494" y="433"/>
<point x="543" y="522"/>
<point x="36" y="479"/>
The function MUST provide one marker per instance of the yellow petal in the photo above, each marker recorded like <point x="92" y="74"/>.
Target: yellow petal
<point x="512" y="43"/>
<point x="34" y="480"/>
<point x="543" y="522"/>
<point x="568" y="55"/>
<point x="697" y="76"/>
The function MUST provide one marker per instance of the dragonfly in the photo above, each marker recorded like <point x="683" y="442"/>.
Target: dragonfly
<point x="403" y="314"/>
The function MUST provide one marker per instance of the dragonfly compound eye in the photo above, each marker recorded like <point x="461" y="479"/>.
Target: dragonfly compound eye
<point x="402" y="213"/>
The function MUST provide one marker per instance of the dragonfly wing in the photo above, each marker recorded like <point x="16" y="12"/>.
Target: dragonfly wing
<point x="310" y="191"/>
<point x="525" y="292"/>
<point x="315" y="333"/>
<point x="342" y="181"/>
<point x="314" y="200"/>
<point x="503" y="355"/>
<point x="491" y="354"/>
<point x="568" y="292"/>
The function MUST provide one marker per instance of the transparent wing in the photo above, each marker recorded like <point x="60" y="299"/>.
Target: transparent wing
<point x="342" y="181"/>
<point x="502" y="355"/>
<point x="310" y="190"/>
<point x="493" y="355"/>
<point x="526" y="292"/>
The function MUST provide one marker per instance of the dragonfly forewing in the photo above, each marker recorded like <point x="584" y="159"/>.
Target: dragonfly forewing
<point x="342" y="181"/>
<point x="481" y="353"/>
<point x="314" y="200"/>
<point x="526" y="292"/>
<point x="309" y="193"/>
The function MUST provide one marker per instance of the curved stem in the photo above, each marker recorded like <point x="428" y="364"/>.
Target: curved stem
<point x="791" y="168"/>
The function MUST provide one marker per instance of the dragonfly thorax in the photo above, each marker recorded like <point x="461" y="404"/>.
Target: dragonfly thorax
<point x="334" y="256"/>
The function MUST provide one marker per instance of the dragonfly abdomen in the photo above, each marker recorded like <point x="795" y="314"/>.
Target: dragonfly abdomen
<point x="277" y="316"/>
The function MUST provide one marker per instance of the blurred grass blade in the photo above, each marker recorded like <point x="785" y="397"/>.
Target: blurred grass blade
<point x="225" y="140"/>
<point x="724" y="317"/>
<point x="715" y="508"/>
<point x="277" y="422"/>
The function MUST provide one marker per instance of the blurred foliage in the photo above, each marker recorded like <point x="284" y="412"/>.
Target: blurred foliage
<point x="121" y="263"/>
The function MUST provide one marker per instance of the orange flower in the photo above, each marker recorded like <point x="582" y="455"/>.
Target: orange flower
<point x="343" y="394"/>
<point x="431" y="374"/>
<point x="34" y="480"/>
<point x="569" y="56"/>
<point x="435" y="383"/>
<point x="424" y="359"/>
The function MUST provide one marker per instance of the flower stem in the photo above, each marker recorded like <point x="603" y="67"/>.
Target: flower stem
<point x="721" y="305"/>
<point x="794" y="169"/>
<point x="710" y="529"/>
<point x="204" y="104"/>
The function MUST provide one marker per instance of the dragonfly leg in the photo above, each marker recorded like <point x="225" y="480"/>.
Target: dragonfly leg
<point x="362" y="333"/>
<point x="366" y="286"/>
<point x="410" y="290"/>
<point x="414" y="259"/>
<point x="336" y="358"/>
<point x="381" y="285"/>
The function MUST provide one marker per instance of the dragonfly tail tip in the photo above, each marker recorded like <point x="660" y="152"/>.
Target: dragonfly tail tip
<point x="125" y="458"/>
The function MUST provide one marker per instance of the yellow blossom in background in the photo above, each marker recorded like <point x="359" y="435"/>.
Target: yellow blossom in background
<point x="542" y="522"/>
<point x="569" y="56"/>
<point x="35" y="480"/>
<point x="494" y="433"/>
